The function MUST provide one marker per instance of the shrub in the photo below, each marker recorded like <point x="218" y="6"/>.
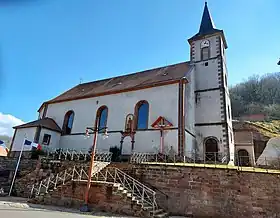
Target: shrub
<point x="116" y="152"/>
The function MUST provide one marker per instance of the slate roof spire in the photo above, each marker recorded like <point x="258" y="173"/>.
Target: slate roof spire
<point x="207" y="27"/>
<point x="207" y="24"/>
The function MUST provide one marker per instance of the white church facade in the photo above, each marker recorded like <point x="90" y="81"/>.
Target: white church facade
<point x="184" y="107"/>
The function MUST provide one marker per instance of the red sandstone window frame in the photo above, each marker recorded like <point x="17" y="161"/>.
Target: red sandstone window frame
<point x="66" y="121"/>
<point x="98" y="115"/>
<point x="136" y="114"/>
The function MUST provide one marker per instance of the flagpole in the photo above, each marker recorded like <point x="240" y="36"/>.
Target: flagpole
<point x="17" y="167"/>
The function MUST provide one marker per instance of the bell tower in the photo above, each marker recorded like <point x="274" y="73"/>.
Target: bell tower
<point x="213" y="119"/>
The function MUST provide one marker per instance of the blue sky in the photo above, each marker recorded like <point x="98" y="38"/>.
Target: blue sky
<point x="46" y="46"/>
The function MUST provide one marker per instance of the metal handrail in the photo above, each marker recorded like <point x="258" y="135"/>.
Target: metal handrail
<point x="75" y="173"/>
<point x="72" y="154"/>
<point x="207" y="158"/>
<point x="215" y="159"/>
<point x="145" y="195"/>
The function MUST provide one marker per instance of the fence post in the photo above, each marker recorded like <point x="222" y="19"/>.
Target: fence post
<point x="73" y="173"/>
<point x="56" y="180"/>
<point x="39" y="187"/>
<point x="64" y="177"/>
<point x="106" y="175"/>
<point x="48" y="185"/>
<point x="266" y="164"/>
<point x="204" y="157"/>
<point x="237" y="160"/>
<point x="72" y="154"/>
<point x="115" y="176"/>
<point x="133" y="187"/>
<point x="31" y="193"/>
<point x="59" y="155"/>
<point x="143" y="192"/>
<point x="80" y="174"/>
<point x="156" y="158"/>
<point x="215" y="158"/>
<point x="154" y="200"/>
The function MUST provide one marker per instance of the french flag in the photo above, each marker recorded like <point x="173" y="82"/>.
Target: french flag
<point x="32" y="144"/>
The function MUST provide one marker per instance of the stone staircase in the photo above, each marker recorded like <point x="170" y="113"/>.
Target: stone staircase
<point x="75" y="173"/>
<point x="131" y="189"/>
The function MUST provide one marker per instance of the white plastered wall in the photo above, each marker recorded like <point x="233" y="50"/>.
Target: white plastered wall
<point x="22" y="133"/>
<point x="202" y="132"/>
<point x="208" y="107"/>
<point x="190" y="113"/>
<point x="55" y="138"/>
<point x="163" y="101"/>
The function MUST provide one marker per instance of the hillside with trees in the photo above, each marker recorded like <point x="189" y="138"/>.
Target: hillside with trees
<point x="257" y="95"/>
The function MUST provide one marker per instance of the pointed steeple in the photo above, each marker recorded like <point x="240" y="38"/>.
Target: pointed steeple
<point x="207" y="24"/>
<point x="207" y="27"/>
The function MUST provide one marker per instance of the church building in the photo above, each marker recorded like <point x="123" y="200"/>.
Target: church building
<point x="183" y="107"/>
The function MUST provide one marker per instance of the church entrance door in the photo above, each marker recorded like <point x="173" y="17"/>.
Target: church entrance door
<point x="126" y="148"/>
<point x="211" y="150"/>
<point x="243" y="158"/>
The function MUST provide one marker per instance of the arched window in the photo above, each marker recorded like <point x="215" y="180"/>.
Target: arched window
<point x="68" y="122"/>
<point x="102" y="116"/>
<point x="211" y="149"/>
<point x="243" y="158"/>
<point x="142" y="115"/>
<point x="205" y="53"/>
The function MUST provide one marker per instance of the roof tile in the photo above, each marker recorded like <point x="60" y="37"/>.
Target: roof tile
<point x="126" y="82"/>
<point x="47" y="123"/>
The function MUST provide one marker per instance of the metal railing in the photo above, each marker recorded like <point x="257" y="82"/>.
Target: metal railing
<point x="209" y="159"/>
<point x="76" y="173"/>
<point x="136" y="190"/>
<point x="73" y="154"/>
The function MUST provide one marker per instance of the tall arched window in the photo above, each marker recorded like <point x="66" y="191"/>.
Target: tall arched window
<point x="102" y="116"/>
<point x="142" y="115"/>
<point x="68" y="122"/>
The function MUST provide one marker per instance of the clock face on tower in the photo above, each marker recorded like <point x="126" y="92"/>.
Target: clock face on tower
<point x="205" y="43"/>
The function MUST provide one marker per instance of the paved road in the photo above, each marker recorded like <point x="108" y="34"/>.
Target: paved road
<point x="16" y="210"/>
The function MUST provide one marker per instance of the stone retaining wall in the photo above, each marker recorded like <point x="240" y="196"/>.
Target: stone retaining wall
<point x="210" y="192"/>
<point x="7" y="168"/>
<point x="184" y="191"/>
<point x="101" y="197"/>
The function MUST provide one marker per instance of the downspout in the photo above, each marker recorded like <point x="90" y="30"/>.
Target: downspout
<point x="181" y="117"/>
